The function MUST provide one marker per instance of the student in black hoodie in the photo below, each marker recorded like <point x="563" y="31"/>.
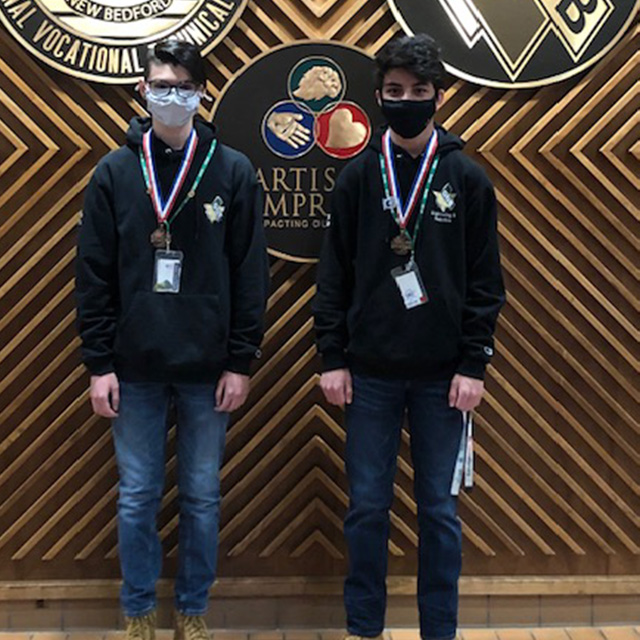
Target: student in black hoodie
<point x="409" y="291"/>
<point x="172" y="279"/>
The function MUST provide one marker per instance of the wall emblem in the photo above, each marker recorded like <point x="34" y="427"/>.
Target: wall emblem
<point x="307" y="108"/>
<point x="105" y="40"/>
<point x="518" y="43"/>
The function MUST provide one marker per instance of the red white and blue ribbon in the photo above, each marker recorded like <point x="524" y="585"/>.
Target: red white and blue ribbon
<point x="404" y="213"/>
<point x="163" y="209"/>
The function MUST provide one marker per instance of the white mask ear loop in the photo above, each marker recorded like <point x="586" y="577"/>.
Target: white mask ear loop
<point x="207" y="97"/>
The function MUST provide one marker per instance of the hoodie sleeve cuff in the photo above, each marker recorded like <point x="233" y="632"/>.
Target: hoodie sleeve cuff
<point x="240" y="364"/>
<point x="472" y="368"/>
<point x="100" y="366"/>
<point x="332" y="360"/>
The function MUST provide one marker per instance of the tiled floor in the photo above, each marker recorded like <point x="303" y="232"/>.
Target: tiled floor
<point x="552" y="633"/>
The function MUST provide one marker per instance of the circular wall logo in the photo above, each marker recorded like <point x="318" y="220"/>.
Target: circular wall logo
<point x="105" y="40"/>
<point x="518" y="43"/>
<point x="306" y="109"/>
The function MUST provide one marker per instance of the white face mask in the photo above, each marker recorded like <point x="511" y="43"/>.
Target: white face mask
<point x="172" y="110"/>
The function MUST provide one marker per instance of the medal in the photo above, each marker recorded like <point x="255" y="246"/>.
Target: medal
<point x="160" y="239"/>
<point x="401" y="245"/>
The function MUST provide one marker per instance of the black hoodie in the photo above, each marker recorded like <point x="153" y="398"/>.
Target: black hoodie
<point x="215" y="322"/>
<point x="361" y="320"/>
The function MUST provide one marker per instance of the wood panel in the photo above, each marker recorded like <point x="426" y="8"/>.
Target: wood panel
<point x="558" y="435"/>
<point x="604" y="633"/>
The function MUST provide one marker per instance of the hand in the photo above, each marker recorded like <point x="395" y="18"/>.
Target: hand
<point x="465" y="393"/>
<point x="337" y="386"/>
<point x="105" y="395"/>
<point x="287" y="127"/>
<point x="232" y="391"/>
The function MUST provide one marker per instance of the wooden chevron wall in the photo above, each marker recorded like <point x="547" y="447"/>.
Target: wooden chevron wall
<point x="558" y="439"/>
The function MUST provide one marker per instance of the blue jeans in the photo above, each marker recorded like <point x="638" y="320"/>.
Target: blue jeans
<point x="140" y="434"/>
<point x="374" y="423"/>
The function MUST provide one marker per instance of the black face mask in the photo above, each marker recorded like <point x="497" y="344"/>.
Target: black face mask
<point x="408" y="118"/>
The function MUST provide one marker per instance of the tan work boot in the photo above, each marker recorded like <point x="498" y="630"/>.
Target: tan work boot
<point x="141" y="627"/>
<point x="190" y="628"/>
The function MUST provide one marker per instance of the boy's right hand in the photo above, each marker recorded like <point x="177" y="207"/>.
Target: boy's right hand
<point x="105" y="395"/>
<point x="337" y="386"/>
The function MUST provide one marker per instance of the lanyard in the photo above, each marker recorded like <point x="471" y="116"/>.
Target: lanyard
<point x="163" y="209"/>
<point x="403" y="214"/>
<point x="150" y="179"/>
<point x="395" y="211"/>
<point x="463" y="469"/>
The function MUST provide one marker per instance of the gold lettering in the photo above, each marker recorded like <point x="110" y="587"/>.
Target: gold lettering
<point x="330" y="178"/>
<point x="274" y="210"/>
<point x="92" y="59"/>
<point x="218" y="13"/>
<point x="114" y="61"/>
<point x="261" y="181"/>
<point x="42" y="31"/>
<point x="316" y="205"/>
<point x="297" y="172"/>
<point x="65" y="40"/>
<point x="86" y="48"/>
<point x="25" y="17"/>
<point x="138" y="68"/>
<point x="299" y="200"/>
<point x="279" y="176"/>
<point x="72" y="53"/>
<point x="214" y="26"/>
<point x="126" y="67"/>
<point x="314" y="179"/>
<point x="51" y="40"/>
<point x="182" y="35"/>
<point x="101" y="62"/>
<point x="17" y="10"/>
<point x="197" y="35"/>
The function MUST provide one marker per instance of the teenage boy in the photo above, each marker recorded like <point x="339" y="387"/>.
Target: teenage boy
<point x="171" y="287"/>
<point x="409" y="290"/>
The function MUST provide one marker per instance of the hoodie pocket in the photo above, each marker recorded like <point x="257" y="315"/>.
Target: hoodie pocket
<point x="174" y="334"/>
<point x="388" y="333"/>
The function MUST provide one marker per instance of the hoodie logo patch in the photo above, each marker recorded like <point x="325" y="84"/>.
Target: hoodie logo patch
<point x="214" y="210"/>
<point x="446" y="203"/>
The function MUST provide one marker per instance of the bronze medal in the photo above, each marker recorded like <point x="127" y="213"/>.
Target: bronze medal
<point x="401" y="245"/>
<point x="159" y="238"/>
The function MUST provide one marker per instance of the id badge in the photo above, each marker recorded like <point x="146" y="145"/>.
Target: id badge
<point x="167" y="271"/>
<point x="410" y="285"/>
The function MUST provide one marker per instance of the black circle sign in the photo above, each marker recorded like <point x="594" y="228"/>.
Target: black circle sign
<point x="518" y="43"/>
<point x="299" y="112"/>
<point x="106" y="40"/>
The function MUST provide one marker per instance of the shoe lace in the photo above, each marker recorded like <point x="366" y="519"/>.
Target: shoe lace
<point x="137" y="627"/>
<point x="195" y="628"/>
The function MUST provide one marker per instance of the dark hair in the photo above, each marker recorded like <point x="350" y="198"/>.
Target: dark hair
<point x="419" y="54"/>
<point x="183" y="54"/>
